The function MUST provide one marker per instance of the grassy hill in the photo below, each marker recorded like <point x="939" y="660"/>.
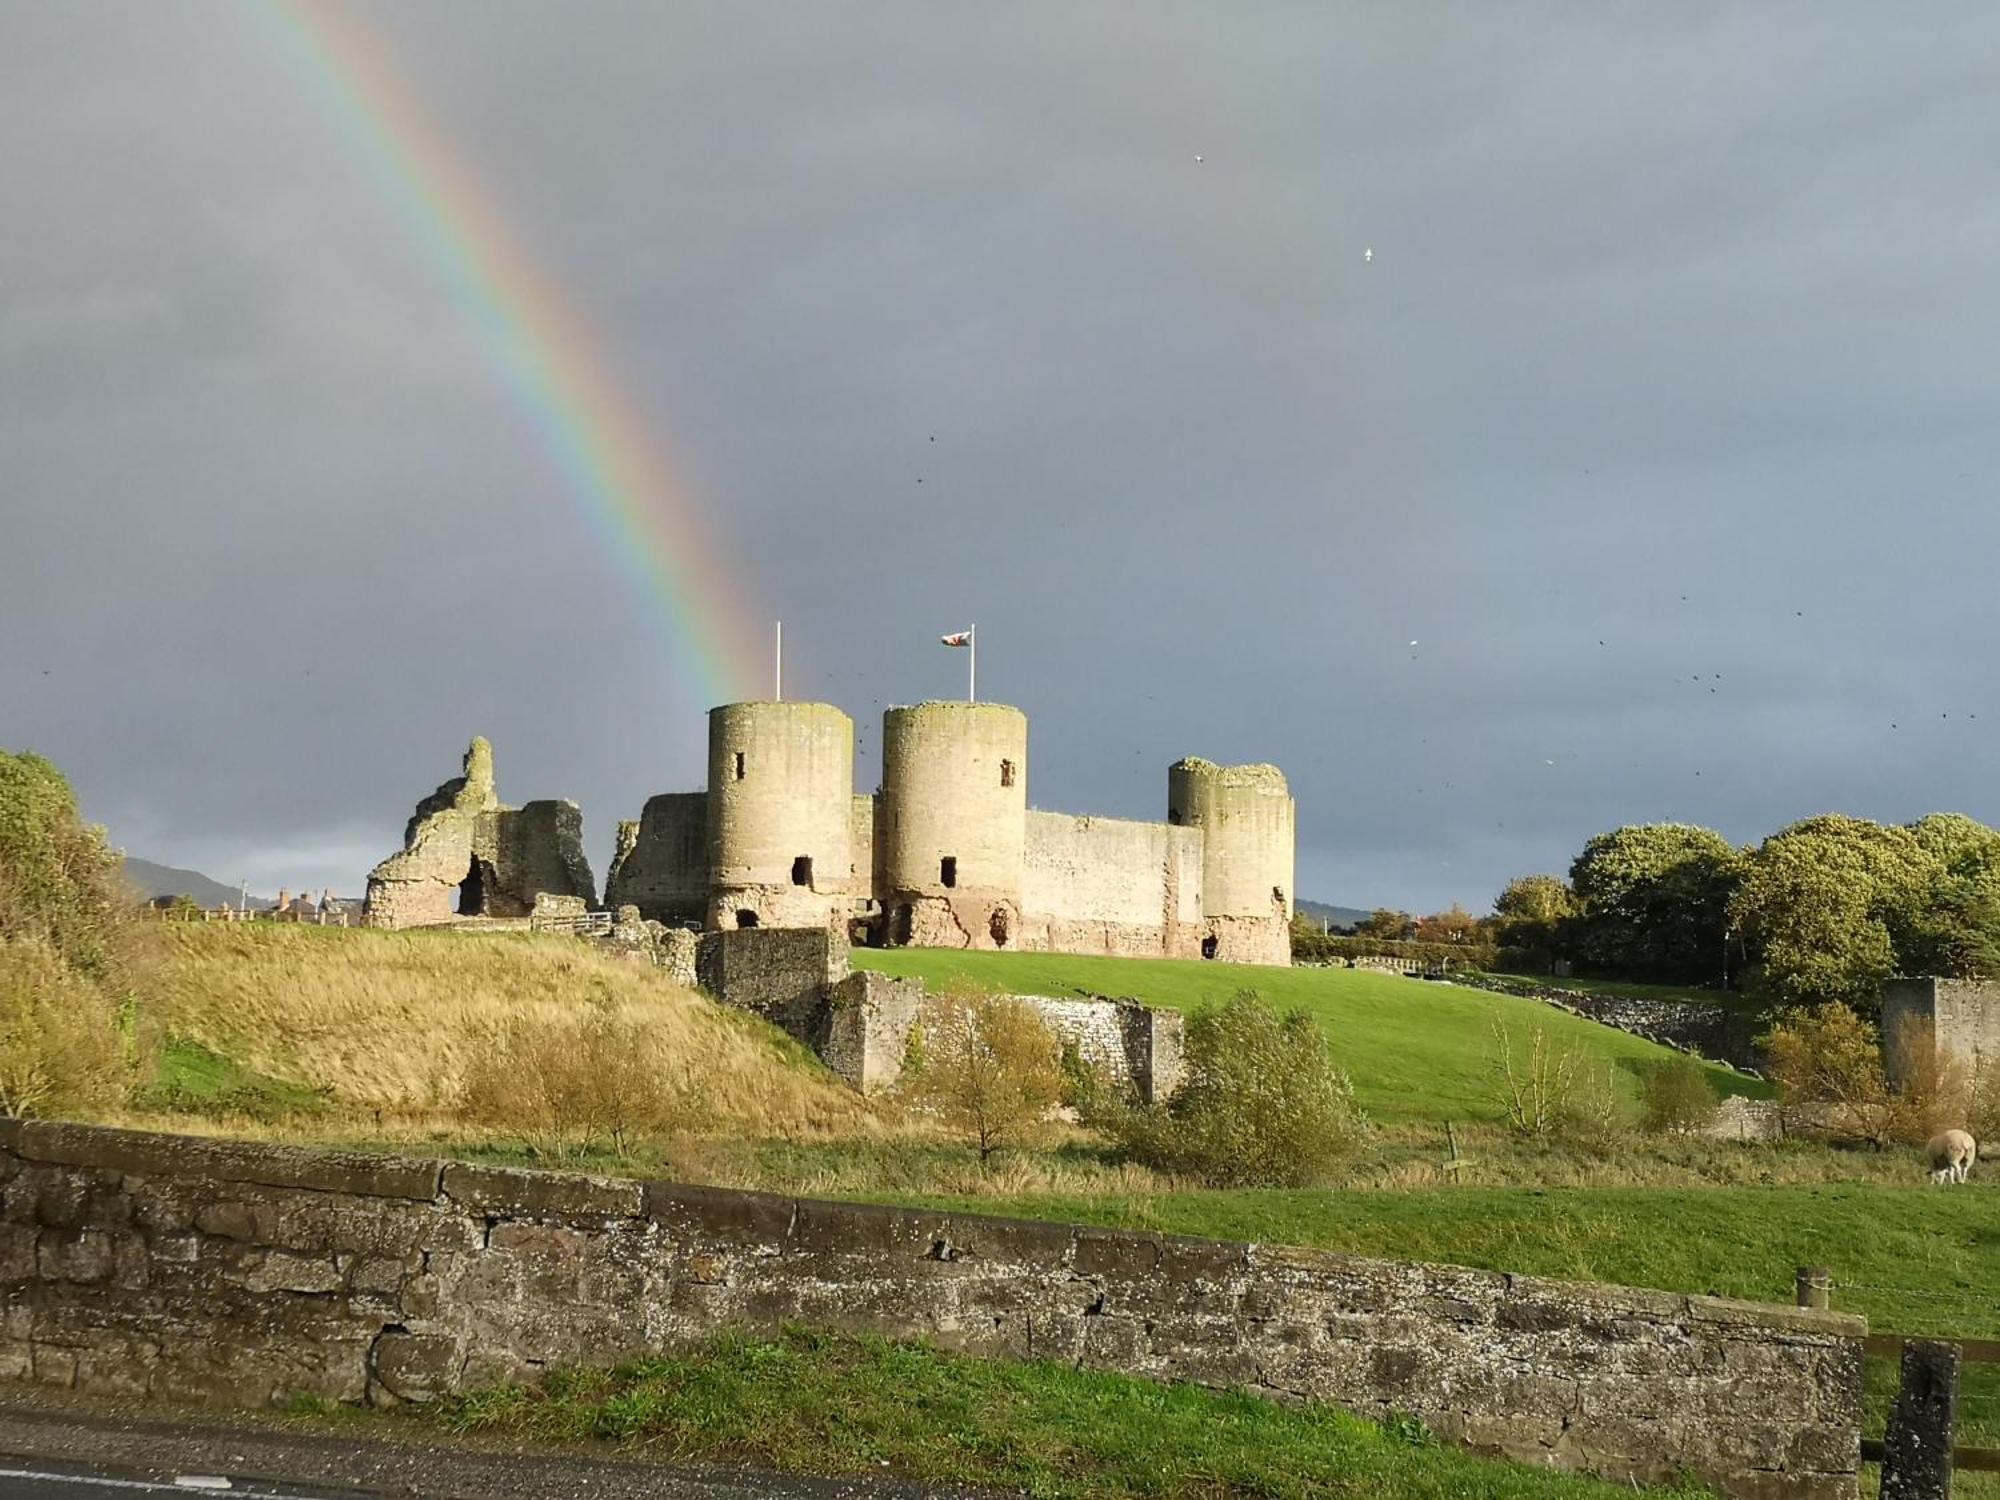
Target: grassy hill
<point x="387" y="1027"/>
<point x="1417" y="1052"/>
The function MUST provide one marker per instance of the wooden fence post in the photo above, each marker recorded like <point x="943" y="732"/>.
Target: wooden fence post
<point x="1916" y="1450"/>
<point x="1815" y="1286"/>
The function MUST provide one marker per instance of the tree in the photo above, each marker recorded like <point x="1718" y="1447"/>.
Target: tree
<point x="1833" y="905"/>
<point x="59" y="884"/>
<point x="68" y="940"/>
<point x="1456" y="925"/>
<point x="988" y="1067"/>
<point x="1957" y="934"/>
<point x="1653" y="901"/>
<point x="1534" y="911"/>
<point x="1262" y="1103"/>
<point x="1386" y="924"/>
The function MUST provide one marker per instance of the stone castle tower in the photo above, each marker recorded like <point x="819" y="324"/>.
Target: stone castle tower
<point x="947" y="852"/>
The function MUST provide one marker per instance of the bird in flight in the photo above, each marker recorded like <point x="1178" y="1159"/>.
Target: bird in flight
<point x="1369" y="253"/>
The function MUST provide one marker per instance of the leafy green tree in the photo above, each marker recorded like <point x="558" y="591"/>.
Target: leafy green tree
<point x="1833" y="905"/>
<point x="1263" y="1103"/>
<point x="68" y="941"/>
<point x="59" y="884"/>
<point x="991" y="1070"/>
<point x="1534" y="911"/>
<point x="1456" y="925"/>
<point x="1653" y="901"/>
<point x="1387" y="924"/>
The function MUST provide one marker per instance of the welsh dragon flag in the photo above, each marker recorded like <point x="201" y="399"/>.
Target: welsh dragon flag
<point x="957" y="638"/>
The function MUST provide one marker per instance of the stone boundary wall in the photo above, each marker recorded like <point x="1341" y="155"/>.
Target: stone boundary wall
<point x="1687" y="1026"/>
<point x="152" y="1265"/>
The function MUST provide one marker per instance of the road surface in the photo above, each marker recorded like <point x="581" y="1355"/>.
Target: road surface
<point x="59" y="1448"/>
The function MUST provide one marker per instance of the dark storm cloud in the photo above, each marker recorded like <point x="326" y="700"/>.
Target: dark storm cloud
<point x="1675" y="338"/>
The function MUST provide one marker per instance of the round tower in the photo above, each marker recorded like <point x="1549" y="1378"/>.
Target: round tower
<point x="780" y="798"/>
<point x="1246" y="817"/>
<point x="955" y="793"/>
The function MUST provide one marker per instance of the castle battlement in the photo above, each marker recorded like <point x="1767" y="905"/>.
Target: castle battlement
<point x="946" y="853"/>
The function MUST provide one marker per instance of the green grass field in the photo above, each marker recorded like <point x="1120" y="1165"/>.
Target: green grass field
<point x="1417" y="1051"/>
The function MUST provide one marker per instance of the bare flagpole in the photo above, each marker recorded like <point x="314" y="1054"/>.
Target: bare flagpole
<point x="778" y="666"/>
<point x="972" y="665"/>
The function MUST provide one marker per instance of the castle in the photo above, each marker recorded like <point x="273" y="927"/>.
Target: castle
<point x="947" y="853"/>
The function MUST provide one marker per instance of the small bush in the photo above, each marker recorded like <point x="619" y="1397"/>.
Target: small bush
<point x="1676" y="1097"/>
<point x="1531" y="1084"/>
<point x="62" y="1051"/>
<point x="568" y="1082"/>
<point x="1262" y="1103"/>
<point x="990" y="1068"/>
<point x="1595" y="1115"/>
<point x="1830" y="1057"/>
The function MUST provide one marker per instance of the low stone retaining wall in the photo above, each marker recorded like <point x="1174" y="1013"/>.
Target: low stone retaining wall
<point x="161" y="1265"/>
<point x="1687" y="1026"/>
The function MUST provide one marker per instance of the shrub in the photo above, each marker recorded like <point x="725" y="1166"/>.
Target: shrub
<point x="59" y="885"/>
<point x="61" y="1047"/>
<point x="1830" y="1057"/>
<point x="1676" y="1097"/>
<point x="989" y="1068"/>
<point x="1595" y="1114"/>
<point x="1531" y="1085"/>
<point x="568" y="1082"/>
<point x="1262" y="1103"/>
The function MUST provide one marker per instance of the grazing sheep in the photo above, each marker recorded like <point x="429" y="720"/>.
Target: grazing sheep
<point x="1952" y="1154"/>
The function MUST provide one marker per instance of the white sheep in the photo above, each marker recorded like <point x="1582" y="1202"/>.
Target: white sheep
<point x="1952" y="1154"/>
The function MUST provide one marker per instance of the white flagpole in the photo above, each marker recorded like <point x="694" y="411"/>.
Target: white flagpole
<point x="778" y="666"/>
<point x="972" y="665"/>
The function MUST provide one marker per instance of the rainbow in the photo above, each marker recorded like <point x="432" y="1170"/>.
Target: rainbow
<point x="588" y="427"/>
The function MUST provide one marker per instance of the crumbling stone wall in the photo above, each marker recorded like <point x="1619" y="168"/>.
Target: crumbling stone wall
<point x="868" y="1022"/>
<point x="1953" y="1017"/>
<point x="662" y="864"/>
<point x="782" y="973"/>
<point x="466" y="854"/>
<point x="864" y="1035"/>
<point x="180" y="1268"/>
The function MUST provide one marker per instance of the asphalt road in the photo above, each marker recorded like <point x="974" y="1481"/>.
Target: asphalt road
<point x="66" y="1449"/>
<point x="20" y="1481"/>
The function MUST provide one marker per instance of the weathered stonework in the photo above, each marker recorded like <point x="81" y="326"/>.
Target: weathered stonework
<point x="465" y="855"/>
<point x="948" y="854"/>
<point x="149" y="1265"/>
<point x="1955" y="1018"/>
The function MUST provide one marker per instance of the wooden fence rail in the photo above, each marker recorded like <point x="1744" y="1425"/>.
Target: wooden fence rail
<point x="1917" y="1451"/>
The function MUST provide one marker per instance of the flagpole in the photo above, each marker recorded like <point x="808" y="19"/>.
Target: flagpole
<point x="972" y="665"/>
<point x="778" y="666"/>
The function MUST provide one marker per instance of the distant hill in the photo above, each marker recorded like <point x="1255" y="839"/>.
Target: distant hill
<point x="1339" y="916"/>
<point x="152" y="880"/>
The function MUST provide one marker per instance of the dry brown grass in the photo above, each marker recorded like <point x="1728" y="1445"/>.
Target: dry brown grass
<point x="402" y="1026"/>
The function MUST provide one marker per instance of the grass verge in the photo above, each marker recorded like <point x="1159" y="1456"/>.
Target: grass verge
<point x="833" y="1404"/>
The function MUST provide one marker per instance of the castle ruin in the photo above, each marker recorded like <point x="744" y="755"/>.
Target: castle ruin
<point x="946" y="853"/>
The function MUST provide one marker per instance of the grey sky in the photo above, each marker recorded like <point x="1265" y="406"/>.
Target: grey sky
<point x="1678" y="337"/>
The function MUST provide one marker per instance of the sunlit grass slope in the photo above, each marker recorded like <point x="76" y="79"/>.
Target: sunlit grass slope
<point x="1416" y="1051"/>
<point x="387" y="1023"/>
